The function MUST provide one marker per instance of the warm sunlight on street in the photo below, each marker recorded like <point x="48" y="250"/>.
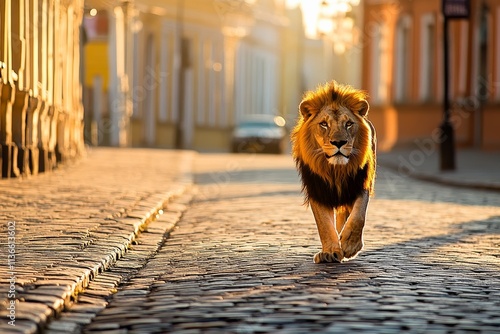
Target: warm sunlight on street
<point x="249" y="166"/>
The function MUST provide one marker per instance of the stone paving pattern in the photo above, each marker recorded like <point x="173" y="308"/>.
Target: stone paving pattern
<point x="75" y="223"/>
<point x="96" y="296"/>
<point x="240" y="261"/>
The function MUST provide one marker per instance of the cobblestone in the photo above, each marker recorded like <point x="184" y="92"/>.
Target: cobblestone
<point x="75" y="223"/>
<point x="240" y="261"/>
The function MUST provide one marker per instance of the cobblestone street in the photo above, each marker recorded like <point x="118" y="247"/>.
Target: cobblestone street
<point x="240" y="261"/>
<point x="165" y="167"/>
<point x="74" y="223"/>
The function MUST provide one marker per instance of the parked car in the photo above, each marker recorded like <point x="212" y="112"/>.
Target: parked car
<point x="260" y="134"/>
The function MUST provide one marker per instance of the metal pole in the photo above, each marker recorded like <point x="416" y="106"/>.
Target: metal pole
<point x="447" y="152"/>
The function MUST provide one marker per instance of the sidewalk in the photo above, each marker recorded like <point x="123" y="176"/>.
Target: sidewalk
<point x="73" y="223"/>
<point x="474" y="168"/>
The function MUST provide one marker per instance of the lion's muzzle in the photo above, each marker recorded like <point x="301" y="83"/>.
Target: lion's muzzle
<point x="338" y="158"/>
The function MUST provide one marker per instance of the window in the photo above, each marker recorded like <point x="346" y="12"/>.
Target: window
<point x="497" y="57"/>
<point x="402" y="60"/>
<point x="427" y="58"/>
<point x="379" y="64"/>
<point x="149" y="101"/>
<point x="137" y="94"/>
<point x="164" y="60"/>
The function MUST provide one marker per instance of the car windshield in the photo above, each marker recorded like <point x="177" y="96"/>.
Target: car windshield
<point x="257" y="124"/>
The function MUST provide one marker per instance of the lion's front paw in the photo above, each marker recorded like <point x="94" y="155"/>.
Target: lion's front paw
<point x="352" y="243"/>
<point x="324" y="257"/>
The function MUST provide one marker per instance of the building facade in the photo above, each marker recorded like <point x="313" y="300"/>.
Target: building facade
<point x="402" y="46"/>
<point x="181" y="74"/>
<point x="41" y="114"/>
<point x="187" y="70"/>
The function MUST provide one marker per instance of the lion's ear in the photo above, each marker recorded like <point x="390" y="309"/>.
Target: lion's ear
<point x="305" y="109"/>
<point x="363" y="108"/>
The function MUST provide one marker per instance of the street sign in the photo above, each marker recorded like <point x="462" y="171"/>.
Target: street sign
<point x="456" y="9"/>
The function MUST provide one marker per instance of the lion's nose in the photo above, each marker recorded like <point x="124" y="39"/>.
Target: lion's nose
<point x="338" y="143"/>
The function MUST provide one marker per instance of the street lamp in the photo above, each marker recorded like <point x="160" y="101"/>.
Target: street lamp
<point x="452" y="9"/>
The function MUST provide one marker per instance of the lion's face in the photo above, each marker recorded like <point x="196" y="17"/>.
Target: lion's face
<point x="335" y="131"/>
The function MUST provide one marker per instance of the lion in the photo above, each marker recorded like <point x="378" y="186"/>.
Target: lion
<point x="334" y="148"/>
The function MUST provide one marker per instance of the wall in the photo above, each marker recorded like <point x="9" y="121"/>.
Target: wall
<point x="41" y="109"/>
<point x="403" y="71"/>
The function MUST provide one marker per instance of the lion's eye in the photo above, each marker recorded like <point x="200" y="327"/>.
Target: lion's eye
<point x="323" y="124"/>
<point x="348" y="124"/>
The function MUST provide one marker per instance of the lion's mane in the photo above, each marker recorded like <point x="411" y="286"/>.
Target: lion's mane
<point x="327" y="184"/>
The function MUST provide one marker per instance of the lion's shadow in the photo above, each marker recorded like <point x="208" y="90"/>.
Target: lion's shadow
<point x="402" y="255"/>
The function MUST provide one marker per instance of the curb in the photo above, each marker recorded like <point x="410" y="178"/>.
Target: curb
<point x="442" y="180"/>
<point x="37" y="305"/>
<point x="101" y="290"/>
<point x="38" y="310"/>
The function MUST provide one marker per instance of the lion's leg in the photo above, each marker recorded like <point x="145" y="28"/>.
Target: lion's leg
<point x="331" y="251"/>
<point x="341" y="214"/>
<point x="351" y="237"/>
